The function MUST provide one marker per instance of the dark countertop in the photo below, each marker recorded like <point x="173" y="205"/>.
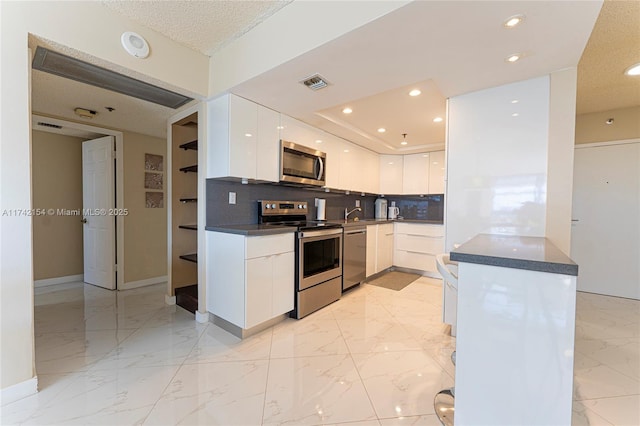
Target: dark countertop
<point x="382" y="221"/>
<point x="256" y="229"/>
<point x="259" y="229"/>
<point x="530" y="253"/>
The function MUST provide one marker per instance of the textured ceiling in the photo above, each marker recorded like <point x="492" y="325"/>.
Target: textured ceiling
<point x="201" y="25"/>
<point x="613" y="47"/>
<point x="208" y="25"/>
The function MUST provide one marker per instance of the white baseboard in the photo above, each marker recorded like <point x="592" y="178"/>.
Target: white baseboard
<point x="19" y="391"/>
<point x="143" y="283"/>
<point x="169" y="300"/>
<point x="59" y="280"/>
<point x="202" y="318"/>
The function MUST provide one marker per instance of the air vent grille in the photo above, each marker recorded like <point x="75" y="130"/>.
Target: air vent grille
<point x="53" y="126"/>
<point x="315" y="82"/>
<point x="84" y="72"/>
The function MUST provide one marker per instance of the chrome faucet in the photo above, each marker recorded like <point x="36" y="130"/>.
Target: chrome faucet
<point x="347" y="212"/>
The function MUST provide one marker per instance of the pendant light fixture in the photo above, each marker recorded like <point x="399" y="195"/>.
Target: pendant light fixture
<point x="404" y="139"/>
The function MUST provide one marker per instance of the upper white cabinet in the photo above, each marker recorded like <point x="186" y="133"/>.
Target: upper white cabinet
<point x="415" y="174"/>
<point x="243" y="140"/>
<point x="436" y="172"/>
<point x="391" y="174"/>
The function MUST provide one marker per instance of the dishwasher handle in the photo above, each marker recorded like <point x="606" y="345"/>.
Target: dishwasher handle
<point x="356" y="231"/>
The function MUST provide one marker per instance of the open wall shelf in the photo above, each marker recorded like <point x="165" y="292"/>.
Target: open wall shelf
<point x="190" y="145"/>
<point x="192" y="257"/>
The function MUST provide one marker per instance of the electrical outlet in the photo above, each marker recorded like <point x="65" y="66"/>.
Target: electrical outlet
<point x="357" y="203"/>
<point x="232" y="197"/>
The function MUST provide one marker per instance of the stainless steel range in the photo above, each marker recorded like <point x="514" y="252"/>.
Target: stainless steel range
<point x="318" y="254"/>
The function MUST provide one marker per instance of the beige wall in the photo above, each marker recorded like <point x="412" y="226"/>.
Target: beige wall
<point x="592" y="127"/>
<point x="145" y="229"/>
<point x="57" y="184"/>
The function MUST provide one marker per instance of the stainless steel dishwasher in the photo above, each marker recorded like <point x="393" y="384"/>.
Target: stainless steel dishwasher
<point x="354" y="256"/>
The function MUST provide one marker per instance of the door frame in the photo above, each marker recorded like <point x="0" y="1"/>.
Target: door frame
<point x="119" y="187"/>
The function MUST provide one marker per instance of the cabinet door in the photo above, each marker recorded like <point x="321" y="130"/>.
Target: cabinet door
<point x="415" y="176"/>
<point x="372" y="249"/>
<point x="436" y="172"/>
<point x="391" y="174"/>
<point x="243" y="131"/>
<point x="268" y="145"/>
<point x="283" y="283"/>
<point x="258" y="294"/>
<point x="371" y="172"/>
<point x="385" y="247"/>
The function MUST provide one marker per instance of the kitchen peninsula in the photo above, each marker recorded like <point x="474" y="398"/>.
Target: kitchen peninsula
<point x="516" y="324"/>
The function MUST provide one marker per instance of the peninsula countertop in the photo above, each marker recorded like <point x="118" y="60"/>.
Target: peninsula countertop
<point x="508" y="251"/>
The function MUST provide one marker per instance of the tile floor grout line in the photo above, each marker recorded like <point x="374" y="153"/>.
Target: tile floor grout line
<point x="266" y="382"/>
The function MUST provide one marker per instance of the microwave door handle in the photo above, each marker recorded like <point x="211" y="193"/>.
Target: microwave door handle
<point x="321" y="168"/>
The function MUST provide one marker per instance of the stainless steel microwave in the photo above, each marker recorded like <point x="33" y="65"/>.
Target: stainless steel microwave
<point x="299" y="164"/>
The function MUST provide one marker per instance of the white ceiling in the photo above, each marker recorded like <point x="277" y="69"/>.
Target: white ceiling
<point x="445" y="47"/>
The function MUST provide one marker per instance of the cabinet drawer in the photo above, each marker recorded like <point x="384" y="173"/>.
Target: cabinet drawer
<point x="420" y="229"/>
<point x="267" y="245"/>
<point x="414" y="260"/>
<point x="420" y="244"/>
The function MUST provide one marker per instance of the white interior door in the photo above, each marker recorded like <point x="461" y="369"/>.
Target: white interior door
<point x="98" y="202"/>
<point x="605" y="234"/>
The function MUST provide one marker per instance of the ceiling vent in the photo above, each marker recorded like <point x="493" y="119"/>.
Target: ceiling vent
<point x="53" y="126"/>
<point x="315" y="82"/>
<point x="65" y="66"/>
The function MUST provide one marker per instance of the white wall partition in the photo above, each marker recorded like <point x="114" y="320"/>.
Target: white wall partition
<point x="497" y="161"/>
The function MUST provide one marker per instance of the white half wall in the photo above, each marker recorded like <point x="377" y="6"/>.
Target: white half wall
<point x="497" y="161"/>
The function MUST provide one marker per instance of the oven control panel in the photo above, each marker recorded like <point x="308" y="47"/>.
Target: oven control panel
<point x="271" y="207"/>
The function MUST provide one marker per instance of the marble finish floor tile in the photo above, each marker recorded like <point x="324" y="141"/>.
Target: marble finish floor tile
<point x="226" y="393"/>
<point x="401" y="383"/>
<point x="376" y="357"/>
<point x="108" y="397"/>
<point x="293" y="338"/>
<point x="215" y="345"/>
<point x="619" y="411"/>
<point x="315" y="390"/>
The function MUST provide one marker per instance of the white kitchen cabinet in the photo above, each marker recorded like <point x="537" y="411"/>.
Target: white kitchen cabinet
<point x="370" y="170"/>
<point x="391" y="172"/>
<point x="416" y="246"/>
<point x="384" y="255"/>
<point x="250" y="279"/>
<point x="242" y="134"/>
<point x="415" y="174"/>
<point x="372" y="249"/>
<point x="436" y="172"/>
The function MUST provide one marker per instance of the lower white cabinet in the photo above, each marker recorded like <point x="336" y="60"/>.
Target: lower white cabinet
<point x="416" y="246"/>
<point x="250" y="279"/>
<point x="384" y="257"/>
<point x="379" y="248"/>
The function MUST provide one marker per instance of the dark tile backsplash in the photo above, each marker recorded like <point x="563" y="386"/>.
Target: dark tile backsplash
<point x="245" y="211"/>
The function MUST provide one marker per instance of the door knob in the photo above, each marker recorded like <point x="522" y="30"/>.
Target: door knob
<point x="83" y="220"/>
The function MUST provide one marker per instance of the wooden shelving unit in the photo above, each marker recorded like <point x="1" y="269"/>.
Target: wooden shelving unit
<point x="184" y="210"/>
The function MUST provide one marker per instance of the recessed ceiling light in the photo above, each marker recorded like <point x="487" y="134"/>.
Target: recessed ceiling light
<point x="609" y="121"/>
<point x="513" y="58"/>
<point x="318" y="141"/>
<point x="347" y="110"/>
<point x="248" y="135"/>
<point x="515" y="101"/>
<point x="414" y="92"/>
<point x="280" y="127"/>
<point x="437" y="119"/>
<point x="515" y="114"/>
<point x="404" y="143"/>
<point x="633" y="70"/>
<point x="382" y="130"/>
<point x="135" y="44"/>
<point x="513" y="21"/>
<point x="346" y="150"/>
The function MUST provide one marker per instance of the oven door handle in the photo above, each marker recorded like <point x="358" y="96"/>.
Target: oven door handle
<point x="310" y="234"/>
